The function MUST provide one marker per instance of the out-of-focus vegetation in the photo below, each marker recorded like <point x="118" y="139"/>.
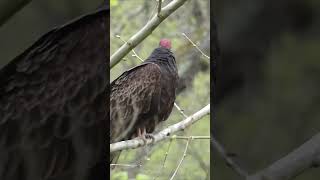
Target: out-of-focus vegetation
<point x="127" y="18"/>
<point x="34" y="20"/>
<point x="268" y="81"/>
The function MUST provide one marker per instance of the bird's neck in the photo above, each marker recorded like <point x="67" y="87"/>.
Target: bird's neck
<point x="164" y="58"/>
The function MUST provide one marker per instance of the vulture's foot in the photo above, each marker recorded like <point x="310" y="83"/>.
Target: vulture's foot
<point x="145" y="136"/>
<point x="149" y="136"/>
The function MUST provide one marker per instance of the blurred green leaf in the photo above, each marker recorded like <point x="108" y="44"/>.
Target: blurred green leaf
<point x="142" y="177"/>
<point x="113" y="3"/>
<point x="122" y="175"/>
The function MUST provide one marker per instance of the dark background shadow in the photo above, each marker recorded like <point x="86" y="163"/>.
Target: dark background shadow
<point x="268" y="81"/>
<point x="34" y="20"/>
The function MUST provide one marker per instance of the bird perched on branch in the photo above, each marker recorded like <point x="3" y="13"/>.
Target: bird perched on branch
<point x="53" y="110"/>
<point x="143" y="96"/>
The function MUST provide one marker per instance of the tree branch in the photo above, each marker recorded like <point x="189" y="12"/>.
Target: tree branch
<point x="9" y="7"/>
<point x="159" y="7"/>
<point x="304" y="157"/>
<point x="145" y="31"/>
<point x="162" y="135"/>
<point x="230" y="162"/>
<point x="194" y="45"/>
<point x="183" y="157"/>
<point x="186" y="78"/>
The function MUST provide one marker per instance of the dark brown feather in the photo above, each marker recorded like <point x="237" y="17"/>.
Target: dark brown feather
<point x="53" y="107"/>
<point x="142" y="97"/>
<point x="133" y="94"/>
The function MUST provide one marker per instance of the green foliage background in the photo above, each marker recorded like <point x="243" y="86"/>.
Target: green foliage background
<point x="127" y="17"/>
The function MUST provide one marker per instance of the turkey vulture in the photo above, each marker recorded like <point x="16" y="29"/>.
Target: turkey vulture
<point x="53" y="104"/>
<point x="143" y="96"/>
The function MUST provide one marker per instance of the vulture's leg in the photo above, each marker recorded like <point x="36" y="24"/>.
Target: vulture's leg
<point x="139" y="133"/>
<point x="147" y="135"/>
<point x="144" y="135"/>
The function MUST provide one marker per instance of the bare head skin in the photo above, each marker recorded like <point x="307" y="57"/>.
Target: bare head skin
<point x="165" y="43"/>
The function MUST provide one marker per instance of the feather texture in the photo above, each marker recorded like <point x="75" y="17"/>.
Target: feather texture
<point x="143" y="96"/>
<point x="53" y="113"/>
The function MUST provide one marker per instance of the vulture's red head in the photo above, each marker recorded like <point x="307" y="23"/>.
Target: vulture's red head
<point x="165" y="43"/>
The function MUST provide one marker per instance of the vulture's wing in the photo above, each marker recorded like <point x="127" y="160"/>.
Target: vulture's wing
<point x="53" y="107"/>
<point x="135" y="97"/>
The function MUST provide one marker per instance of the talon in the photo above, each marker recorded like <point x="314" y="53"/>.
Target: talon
<point x="150" y="136"/>
<point x="145" y="136"/>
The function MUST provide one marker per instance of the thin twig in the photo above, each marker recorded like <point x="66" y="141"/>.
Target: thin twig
<point x="190" y="137"/>
<point x="164" y="161"/>
<point x="193" y="44"/>
<point x="180" y="110"/>
<point x="183" y="157"/>
<point x="127" y="165"/>
<point x="134" y="52"/>
<point x="227" y="158"/>
<point x="200" y="158"/>
<point x="159" y="7"/>
<point x="153" y="10"/>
